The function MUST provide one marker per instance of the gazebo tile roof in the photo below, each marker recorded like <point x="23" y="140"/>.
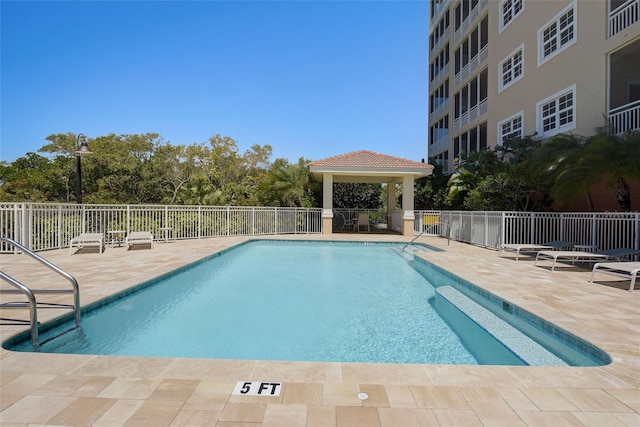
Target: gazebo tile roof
<point x="369" y="160"/>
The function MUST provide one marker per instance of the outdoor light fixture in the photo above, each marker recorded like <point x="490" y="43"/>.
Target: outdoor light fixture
<point x="82" y="148"/>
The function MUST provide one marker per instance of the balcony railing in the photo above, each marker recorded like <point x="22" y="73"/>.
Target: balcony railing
<point x="439" y="76"/>
<point x="625" y="118"/>
<point x="624" y="16"/>
<point x="439" y="110"/>
<point x="439" y="145"/>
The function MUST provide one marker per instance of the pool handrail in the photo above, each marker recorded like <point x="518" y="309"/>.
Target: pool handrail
<point x="30" y="293"/>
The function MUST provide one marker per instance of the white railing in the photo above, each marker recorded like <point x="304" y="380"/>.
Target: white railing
<point x="624" y="16"/>
<point x="439" y="44"/>
<point x="602" y="230"/>
<point x="441" y="74"/>
<point x="625" y="118"/>
<point x="439" y="146"/>
<point x="43" y="226"/>
<point x="439" y="110"/>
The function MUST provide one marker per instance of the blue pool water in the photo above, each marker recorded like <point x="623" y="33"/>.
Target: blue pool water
<point x="280" y="300"/>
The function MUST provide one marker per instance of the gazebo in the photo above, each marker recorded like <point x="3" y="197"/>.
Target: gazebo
<point x="369" y="167"/>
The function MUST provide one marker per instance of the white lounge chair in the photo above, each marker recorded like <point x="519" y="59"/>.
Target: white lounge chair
<point x="138" y="238"/>
<point x="363" y="221"/>
<point x="622" y="269"/>
<point x="568" y="255"/>
<point x="85" y="240"/>
<point x="519" y="248"/>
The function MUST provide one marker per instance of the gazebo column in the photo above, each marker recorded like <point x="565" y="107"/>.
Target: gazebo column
<point x="327" y="203"/>
<point x="391" y="203"/>
<point x="408" y="216"/>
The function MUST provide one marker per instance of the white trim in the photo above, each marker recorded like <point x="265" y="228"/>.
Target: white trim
<point x="555" y="21"/>
<point x="510" y="119"/>
<point x="501" y="24"/>
<point x="556" y="114"/>
<point x="501" y="85"/>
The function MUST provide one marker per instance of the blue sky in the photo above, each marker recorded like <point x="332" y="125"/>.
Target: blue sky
<point x="312" y="79"/>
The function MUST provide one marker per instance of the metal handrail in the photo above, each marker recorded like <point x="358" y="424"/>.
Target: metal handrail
<point x="30" y="293"/>
<point x="33" y="315"/>
<point x="414" y="239"/>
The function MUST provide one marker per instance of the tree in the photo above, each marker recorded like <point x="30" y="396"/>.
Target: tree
<point x="28" y="179"/>
<point x="352" y="195"/>
<point x="288" y="185"/>
<point x="576" y="163"/>
<point x="618" y="158"/>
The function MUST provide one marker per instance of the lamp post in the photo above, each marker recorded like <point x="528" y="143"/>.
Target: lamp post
<point x="82" y="148"/>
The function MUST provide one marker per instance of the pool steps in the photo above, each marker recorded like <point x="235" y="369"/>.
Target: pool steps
<point x="524" y="347"/>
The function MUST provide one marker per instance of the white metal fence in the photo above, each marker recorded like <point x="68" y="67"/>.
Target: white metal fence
<point x="43" y="226"/>
<point x="601" y="230"/>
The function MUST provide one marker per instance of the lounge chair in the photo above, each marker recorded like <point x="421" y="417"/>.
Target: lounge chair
<point x="363" y="221"/>
<point x="620" y="253"/>
<point x="138" y="238"/>
<point x="533" y="248"/>
<point x="87" y="239"/>
<point x="568" y="255"/>
<point x="622" y="269"/>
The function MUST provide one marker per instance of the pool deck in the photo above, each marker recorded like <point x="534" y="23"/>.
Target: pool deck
<point x="82" y="390"/>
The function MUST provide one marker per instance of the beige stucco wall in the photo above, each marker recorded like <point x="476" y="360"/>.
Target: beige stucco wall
<point x="582" y="64"/>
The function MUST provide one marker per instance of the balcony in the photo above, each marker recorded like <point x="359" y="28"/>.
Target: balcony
<point x="439" y="110"/>
<point x="439" y="146"/>
<point x="623" y="16"/>
<point x="624" y="89"/>
<point x="439" y="76"/>
<point x="625" y="118"/>
<point x="472" y="114"/>
<point x="466" y="24"/>
<point x="471" y="67"/>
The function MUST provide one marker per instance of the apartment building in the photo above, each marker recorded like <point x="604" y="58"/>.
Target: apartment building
<point x="510" y="68"/>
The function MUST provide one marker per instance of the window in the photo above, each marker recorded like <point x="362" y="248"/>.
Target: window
<point x="558" y="34"/>
<point x="557" y="113"/>
<point x="511" y="69"/>
<point x="511" y="127"/>
<point x="509" y="10"/>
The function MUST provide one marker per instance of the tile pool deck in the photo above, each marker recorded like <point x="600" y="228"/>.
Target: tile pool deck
<point x="80" y="390"/>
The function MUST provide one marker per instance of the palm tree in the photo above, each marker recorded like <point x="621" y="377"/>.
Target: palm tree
<point x="619" y="159"/>
<point x="287" y="185"/>
<point x="575" y="164"/>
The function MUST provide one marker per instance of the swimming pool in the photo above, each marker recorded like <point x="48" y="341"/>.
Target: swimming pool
<point x="262" y="301"/>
